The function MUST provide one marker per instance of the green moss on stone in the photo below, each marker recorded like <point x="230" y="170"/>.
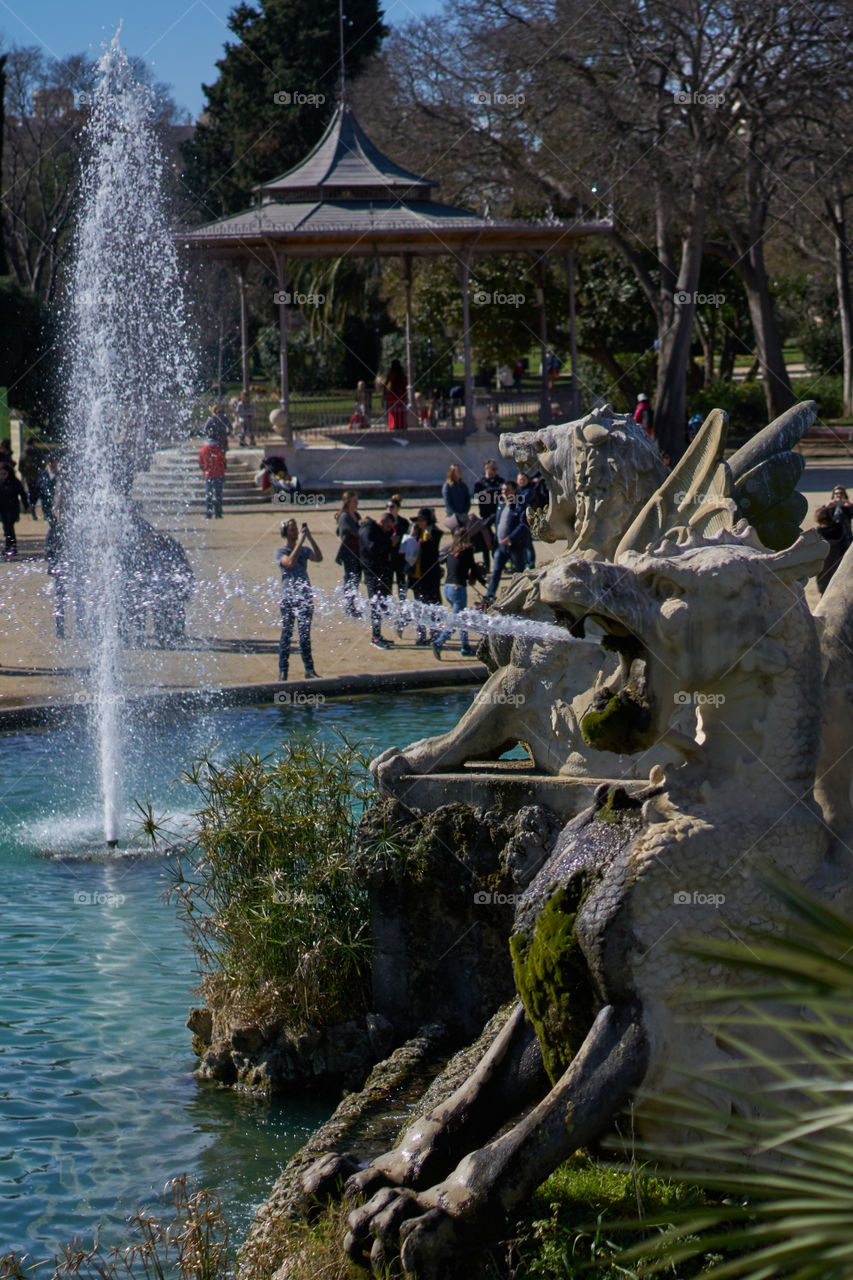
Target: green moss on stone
<point x="615" y="807"/>
<point x="553" y="980"/>
<point x="619" y="726"/>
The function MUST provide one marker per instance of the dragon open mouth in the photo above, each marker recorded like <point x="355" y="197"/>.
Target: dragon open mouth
<point x="620" y="718"/>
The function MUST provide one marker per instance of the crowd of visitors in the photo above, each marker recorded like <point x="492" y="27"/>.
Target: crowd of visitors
<point x="393" y="553"/>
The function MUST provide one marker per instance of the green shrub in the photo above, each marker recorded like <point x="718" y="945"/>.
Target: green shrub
<point x="744" y="402"/>
<point x="826" y="389"/>
<point x="268" y="891"/>
<point x="821" y="344"/>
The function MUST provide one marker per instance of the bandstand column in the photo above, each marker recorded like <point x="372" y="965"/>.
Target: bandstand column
<point x="244" y="323"/>
<point x="407" y="285"/>
<point x="465" y="278"/>
<point x="573" y="335"/>
<point x="281" y="271"/>
<point x="544" y="393"/>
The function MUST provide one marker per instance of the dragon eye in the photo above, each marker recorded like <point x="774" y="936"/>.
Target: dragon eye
<point x="665" y="588"/>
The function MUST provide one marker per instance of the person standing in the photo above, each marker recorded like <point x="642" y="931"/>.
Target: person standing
<point x="832" y="532"/>
<point x="211" y="459"/>
<point x="487" y="492"/>
<point x="461" y="568"/>
<point x="643" y="414"/>
<point x="246" y="419"/>
<point x="841" y="511"/>
<point x="425" y="573"/>
<point x="399" y="567"/>
<point x="511" y="534"/>
<point x="297" y="602"/>
<point x="457" y="497"/>
<point x="349" y="552"/>
<point x="377" y="545"/>
<point x="48" y="478"/>
<point x="12" y="496"/>
<point x="30" y="469"/>
<point x="525" y="494"/>
<point x="396" y="387"/>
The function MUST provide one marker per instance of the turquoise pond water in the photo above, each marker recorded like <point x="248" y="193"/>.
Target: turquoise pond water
<point x="98" y="1103"/>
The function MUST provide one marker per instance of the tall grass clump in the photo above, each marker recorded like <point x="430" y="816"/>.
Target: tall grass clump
<point x="267" y="889"/>
<point x="779" y="1160"/>
<point x="190" y="1244"/>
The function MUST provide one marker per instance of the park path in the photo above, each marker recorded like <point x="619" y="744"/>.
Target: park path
<point x="232" y="620"/>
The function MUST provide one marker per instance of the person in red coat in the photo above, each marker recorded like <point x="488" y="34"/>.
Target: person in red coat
<point x="211" y="459"/>
<point x="396" y="387"/>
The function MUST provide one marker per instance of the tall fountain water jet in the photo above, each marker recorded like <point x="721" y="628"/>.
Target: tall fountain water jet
<point x="128" y="381"/>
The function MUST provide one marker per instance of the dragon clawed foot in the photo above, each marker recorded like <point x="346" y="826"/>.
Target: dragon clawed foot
<point x="324" y="1180"/>
<point x="389" y="767"/>
<point x="404" y="1224"/>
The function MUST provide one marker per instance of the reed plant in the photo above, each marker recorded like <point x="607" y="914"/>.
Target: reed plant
<point x="267" y="888"/>
<point x="191" y="1243"/>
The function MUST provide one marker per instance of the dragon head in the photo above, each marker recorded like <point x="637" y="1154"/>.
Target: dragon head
<point x="696" y="621"/>
<point x="600" y="471"/>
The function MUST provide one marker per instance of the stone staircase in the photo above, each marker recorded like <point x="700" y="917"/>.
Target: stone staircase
<point x="175" y="479"/>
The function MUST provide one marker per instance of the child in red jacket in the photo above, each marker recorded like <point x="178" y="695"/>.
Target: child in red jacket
<point x="211" y="459"/>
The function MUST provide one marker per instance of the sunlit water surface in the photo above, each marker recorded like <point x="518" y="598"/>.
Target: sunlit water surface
<point x="98" y="1103"/>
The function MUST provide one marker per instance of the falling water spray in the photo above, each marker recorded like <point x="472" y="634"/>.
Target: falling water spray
<point x="128" y="379"/>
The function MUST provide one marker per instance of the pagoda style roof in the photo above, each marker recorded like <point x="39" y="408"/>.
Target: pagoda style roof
<point x="347" y="198"/>
<point x="345" y="164"/>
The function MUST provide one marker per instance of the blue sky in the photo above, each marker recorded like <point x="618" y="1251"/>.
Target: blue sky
<point x="181" y="38"/>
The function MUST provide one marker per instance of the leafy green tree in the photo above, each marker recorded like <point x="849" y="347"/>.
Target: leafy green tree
<point x="27" y="340"/>
<point x="277" y="89"/>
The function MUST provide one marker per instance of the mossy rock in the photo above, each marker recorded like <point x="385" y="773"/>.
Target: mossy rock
<point x="553" y="980"/>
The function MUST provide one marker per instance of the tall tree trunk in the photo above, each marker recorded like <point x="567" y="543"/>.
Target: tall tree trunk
<point x="707" y="331"/>
<point x="835" y="209"/>
<point x="748" y="263"/>
<point x="675" y="337"/>
<point x="777" y="385"/>
<point x="4" y="261"/>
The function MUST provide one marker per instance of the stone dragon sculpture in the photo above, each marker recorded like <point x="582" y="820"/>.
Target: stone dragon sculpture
<point x="597" y="944"/>
<point x="601" y="472"/>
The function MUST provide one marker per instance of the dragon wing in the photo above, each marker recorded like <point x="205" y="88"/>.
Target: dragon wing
<point x="695" y="493"/>
<point x="757" y="483"/>
<point x="765" y="473"/>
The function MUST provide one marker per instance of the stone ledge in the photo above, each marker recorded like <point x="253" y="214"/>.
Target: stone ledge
<point x="503" y="786"/>
<point x="38" y="715"/>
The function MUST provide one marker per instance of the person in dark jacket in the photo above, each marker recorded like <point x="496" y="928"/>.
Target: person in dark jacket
<point x="512" y="534"/>
<point x="457" y="497"/>
<point x="425" y="573"/>
<point x="525" y="493"/>
<point x="487" y="494"/>
<point x="840" y="510"/>
<point x="12" y="496"/>
<point x="32" y="461"/>
<point x="377" y="545"/>
<point x="297" y="602"/>
<point x="45" y="491"/>
<point x="399" y="568"/>
<point x="349" y="554"/>
<point x="833" y="533"/>
<point x="461" y="568"/>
